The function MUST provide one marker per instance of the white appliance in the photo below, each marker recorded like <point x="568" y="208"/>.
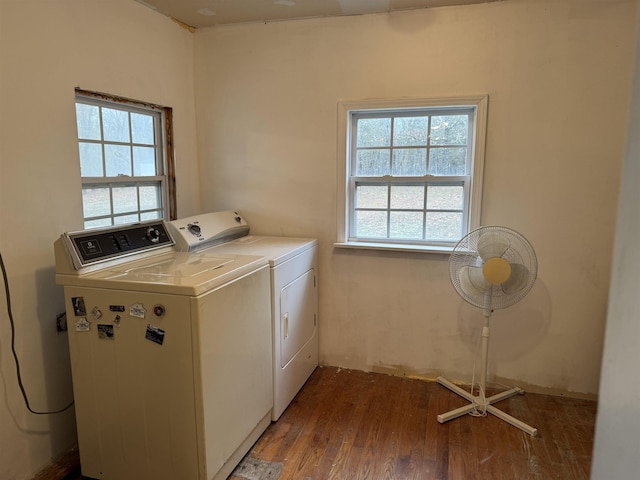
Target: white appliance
<point x="294" y="291"/>
<point x="170" y="353"/>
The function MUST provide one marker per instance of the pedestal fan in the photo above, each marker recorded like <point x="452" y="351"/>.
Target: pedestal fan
<point x="491" y="267"/>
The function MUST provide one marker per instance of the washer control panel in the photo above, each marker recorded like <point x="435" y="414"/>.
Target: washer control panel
<point x="96" y="245"/>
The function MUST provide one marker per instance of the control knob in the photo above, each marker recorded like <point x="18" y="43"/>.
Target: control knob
<point x="194" y="229"/>
<point x="153" y="234"/>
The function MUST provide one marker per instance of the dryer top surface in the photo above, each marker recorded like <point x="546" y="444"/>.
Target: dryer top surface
<point x="276" y="249"/>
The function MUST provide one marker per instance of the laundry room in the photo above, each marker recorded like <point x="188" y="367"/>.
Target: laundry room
<point x="258" y="127"/>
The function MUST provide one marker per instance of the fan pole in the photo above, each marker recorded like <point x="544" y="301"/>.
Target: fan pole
<point x="480" y="402"/>
<point x="484" y="366"/>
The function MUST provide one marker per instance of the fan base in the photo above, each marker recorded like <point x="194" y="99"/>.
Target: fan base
<point x="476" y="403"/>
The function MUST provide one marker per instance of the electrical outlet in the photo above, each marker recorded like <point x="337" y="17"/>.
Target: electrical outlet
<point x="61" y="322"/>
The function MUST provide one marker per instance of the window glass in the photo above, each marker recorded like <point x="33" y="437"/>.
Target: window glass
<point x="404" y="197"/>
<point x="125" y="199"/>
<point x="443" y="197"/>
<point x="410" y="131"/>
<point x="117" y="159"/>
<point x="91" y="160"/>
<point x="448" y="161"/>
<point x="374" y="132"/>
<point x="115" y="125"/>
<point x="371" y="224"/>
<point x="142" y="130"/>
<point x="88" y="119"/>
<point x="409" y="169"/>
<point x="406" y="225"/>
<point x="372" y="163"/>
<point x="123" y="160"/>
<point x="372" y="196"/>
<point x="445" y="226"/>
<point x="409" y="162"/>
<point x="449" y="129"/>
<point x="150" y="197"/>
<point x="96" y="201"/>
<point x="144" y="161"/>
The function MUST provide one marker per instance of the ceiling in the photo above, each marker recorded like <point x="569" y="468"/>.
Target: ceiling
<point x="207" y="13"/>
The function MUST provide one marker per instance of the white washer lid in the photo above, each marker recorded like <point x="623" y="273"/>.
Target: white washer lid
<point x="178" y="273"/>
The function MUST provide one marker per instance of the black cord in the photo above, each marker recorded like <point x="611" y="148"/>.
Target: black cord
<point x="13" y="348"/>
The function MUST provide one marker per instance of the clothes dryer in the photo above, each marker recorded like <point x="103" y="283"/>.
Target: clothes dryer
<point x="170" y="353"/>
<point x="293" y="264"/>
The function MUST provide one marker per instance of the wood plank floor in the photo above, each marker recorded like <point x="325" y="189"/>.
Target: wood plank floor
<point x="352" y="425"/>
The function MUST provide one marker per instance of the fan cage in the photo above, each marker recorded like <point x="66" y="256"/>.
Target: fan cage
<point x="518" y="251"/>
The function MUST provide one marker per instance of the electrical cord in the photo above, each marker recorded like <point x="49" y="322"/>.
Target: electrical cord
<point x="13" y="348"/>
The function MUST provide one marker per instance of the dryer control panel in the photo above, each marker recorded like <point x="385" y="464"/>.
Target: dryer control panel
<point x="207" y="230"/>
<point x="92" y="246"/>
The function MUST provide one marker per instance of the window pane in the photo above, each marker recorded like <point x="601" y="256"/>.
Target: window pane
<point x="144" y="161"/>
<point x="115" y="124"/>
<point x="101" y="222"/>
<point x="444" y="226"/>
<point x="117" y="160"/>
<point x="142" y="129"/>
<point x="150" y="197"/>
<point x="88" y="120"/>
<point x="448" y="161"/>
<point x="371" y="224"/>
<point x="126" y="219"/>
<point x="125" y="143"/>
<point x="372" y="163"/>
<point x="407" y="197"/>
<point x="449" y="130"/>
<point x="91" y="160"/>
<point x="150" y="215"/>
<point x="95" y="202"/>
<point x="441" y="197"/>
<point x="374" y="132"/>
<point x="125" y="199"/>
<point x="410" y="131"/>
<point x="406" y="225"/>
<point x="409" y="162"/>
<point x="371" y="196"/>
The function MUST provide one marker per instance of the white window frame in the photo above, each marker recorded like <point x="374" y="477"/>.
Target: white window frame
<point x="165" y="176"/>
<point x="347" y="110"/>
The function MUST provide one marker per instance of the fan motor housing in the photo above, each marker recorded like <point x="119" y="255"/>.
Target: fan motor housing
<point x="496" y="270"/>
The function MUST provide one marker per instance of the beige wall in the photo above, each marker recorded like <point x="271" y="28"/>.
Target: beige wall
<point x="558" y="76"/>
<point x="46" y="49"/>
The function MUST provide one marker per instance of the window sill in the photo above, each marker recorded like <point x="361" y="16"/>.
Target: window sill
<point x="395" y="247"/>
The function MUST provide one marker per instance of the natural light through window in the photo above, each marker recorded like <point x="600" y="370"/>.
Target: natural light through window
<point x="123" y="161"/>
<point x="410" y="172"/>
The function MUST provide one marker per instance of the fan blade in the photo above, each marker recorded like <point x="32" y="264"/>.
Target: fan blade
<point x="492" y="245"/>
<point x="472" y="281"/>
<point x="518" y="279"/>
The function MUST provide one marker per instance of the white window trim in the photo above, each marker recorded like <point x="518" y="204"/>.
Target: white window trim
<point x="343" y="203"/>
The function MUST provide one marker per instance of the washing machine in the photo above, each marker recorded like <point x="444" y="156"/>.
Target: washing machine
<point x="170" y="353"/>
<point x="293" y="265"/>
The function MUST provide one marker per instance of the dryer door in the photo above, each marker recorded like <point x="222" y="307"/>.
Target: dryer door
<point x="298" y="307"/>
